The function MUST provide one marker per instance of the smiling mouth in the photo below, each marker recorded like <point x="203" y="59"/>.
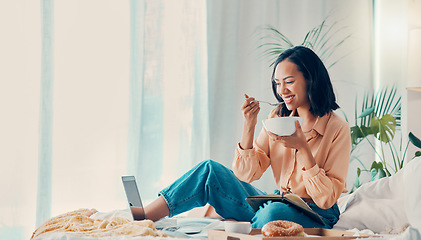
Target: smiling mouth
<point x="288" y="99"/>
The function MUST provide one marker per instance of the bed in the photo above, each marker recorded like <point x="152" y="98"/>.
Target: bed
<point x="388" y="208"/>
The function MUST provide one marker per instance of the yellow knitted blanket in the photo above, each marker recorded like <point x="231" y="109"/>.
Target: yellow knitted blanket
<point x="78" y="222"/>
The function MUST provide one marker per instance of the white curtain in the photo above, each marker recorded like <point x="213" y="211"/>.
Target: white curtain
<point x="20" y="50"/>
<point x="93" y="90"/>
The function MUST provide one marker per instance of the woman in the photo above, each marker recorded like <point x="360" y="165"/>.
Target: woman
<point x="312" y="163"/>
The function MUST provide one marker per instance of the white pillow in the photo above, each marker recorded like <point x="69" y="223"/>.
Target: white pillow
<point x="379" y="205"/>
<point x="412" y="196"/>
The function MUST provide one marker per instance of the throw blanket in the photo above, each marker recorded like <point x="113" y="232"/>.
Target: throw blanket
<point x="79" y="223"/>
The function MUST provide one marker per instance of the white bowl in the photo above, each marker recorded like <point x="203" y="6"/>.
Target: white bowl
<point x="238" y="227"/>
<point x="282" y="126"/>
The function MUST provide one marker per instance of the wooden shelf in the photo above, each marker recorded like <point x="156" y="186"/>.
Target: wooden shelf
<point x="416" y="89"/>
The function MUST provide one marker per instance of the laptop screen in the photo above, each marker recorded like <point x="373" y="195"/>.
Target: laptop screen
<point x="133" y="197"/>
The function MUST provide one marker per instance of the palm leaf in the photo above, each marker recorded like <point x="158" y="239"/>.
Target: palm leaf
<point x="312" y="36"/>
<point x="366" y="112"/>
<point x="320" y="39"/>
<point x="388" y="98"/>
<point x="380" y="111"/>
<point x="367" y="104"/>
<point x="385" y="101"/>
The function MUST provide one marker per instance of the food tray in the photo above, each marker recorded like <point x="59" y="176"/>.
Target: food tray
<point x="255" y="234"/>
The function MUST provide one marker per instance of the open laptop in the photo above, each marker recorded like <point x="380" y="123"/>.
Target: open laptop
<point x="133" y="197"/>
<point x="171" y="226"/>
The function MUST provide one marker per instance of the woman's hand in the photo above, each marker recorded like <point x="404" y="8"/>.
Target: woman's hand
<point x="250" y="110"/>
<point x="297" y="140"/>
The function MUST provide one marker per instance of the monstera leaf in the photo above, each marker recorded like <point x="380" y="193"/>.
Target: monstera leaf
<point x="377" y="171"/>
<point x="359" y="132"/>
<point x="384" y="127"/>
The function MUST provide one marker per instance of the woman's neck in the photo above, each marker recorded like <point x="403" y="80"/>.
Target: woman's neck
<point x="308" y="119"/>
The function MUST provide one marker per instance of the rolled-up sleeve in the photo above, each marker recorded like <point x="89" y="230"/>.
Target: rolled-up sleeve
<point x="250" y="164"/>
<point x="326" y="181"/>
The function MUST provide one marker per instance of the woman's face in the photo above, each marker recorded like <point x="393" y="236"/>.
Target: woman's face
<point x="291" y="85"/>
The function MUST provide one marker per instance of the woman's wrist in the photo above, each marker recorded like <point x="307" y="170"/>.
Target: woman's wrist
<point x="250" y="125"/>
<point x="308" y="158"/>
<point x="248" y="135"/>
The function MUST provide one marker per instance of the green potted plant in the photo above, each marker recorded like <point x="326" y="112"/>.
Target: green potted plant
<point x="377" y="125"/>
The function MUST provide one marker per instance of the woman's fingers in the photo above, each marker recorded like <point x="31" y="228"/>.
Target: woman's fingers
<point x="274" y="136"/>
<point x="249" y="103"/>
<point x="297" y="125"/>
<point x="251" y="112"/>
<point x="250" y="108"/>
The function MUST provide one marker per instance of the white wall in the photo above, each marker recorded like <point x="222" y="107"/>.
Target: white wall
<point x="413" y="97"/>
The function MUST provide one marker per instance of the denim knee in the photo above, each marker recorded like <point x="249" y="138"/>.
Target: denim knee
<point x="211" y="166"/>
<point x="210" y="163"/>
<point x="272" y="211"/>
<point x="213" y="183"/>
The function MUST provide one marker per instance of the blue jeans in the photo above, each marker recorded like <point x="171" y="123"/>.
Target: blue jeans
<point x="211" y="182"/>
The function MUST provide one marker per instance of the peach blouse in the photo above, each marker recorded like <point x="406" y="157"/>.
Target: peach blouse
<point x="330" y="143"/>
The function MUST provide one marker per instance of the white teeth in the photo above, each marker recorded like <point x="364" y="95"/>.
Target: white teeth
<point x="288" y="98"/>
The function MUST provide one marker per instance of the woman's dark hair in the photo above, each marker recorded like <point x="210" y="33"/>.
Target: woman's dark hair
<point x="319" y="88"/>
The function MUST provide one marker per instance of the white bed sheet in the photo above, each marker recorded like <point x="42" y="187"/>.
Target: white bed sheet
<point x="409" y="233"/>
<point x="64" y="236"/>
